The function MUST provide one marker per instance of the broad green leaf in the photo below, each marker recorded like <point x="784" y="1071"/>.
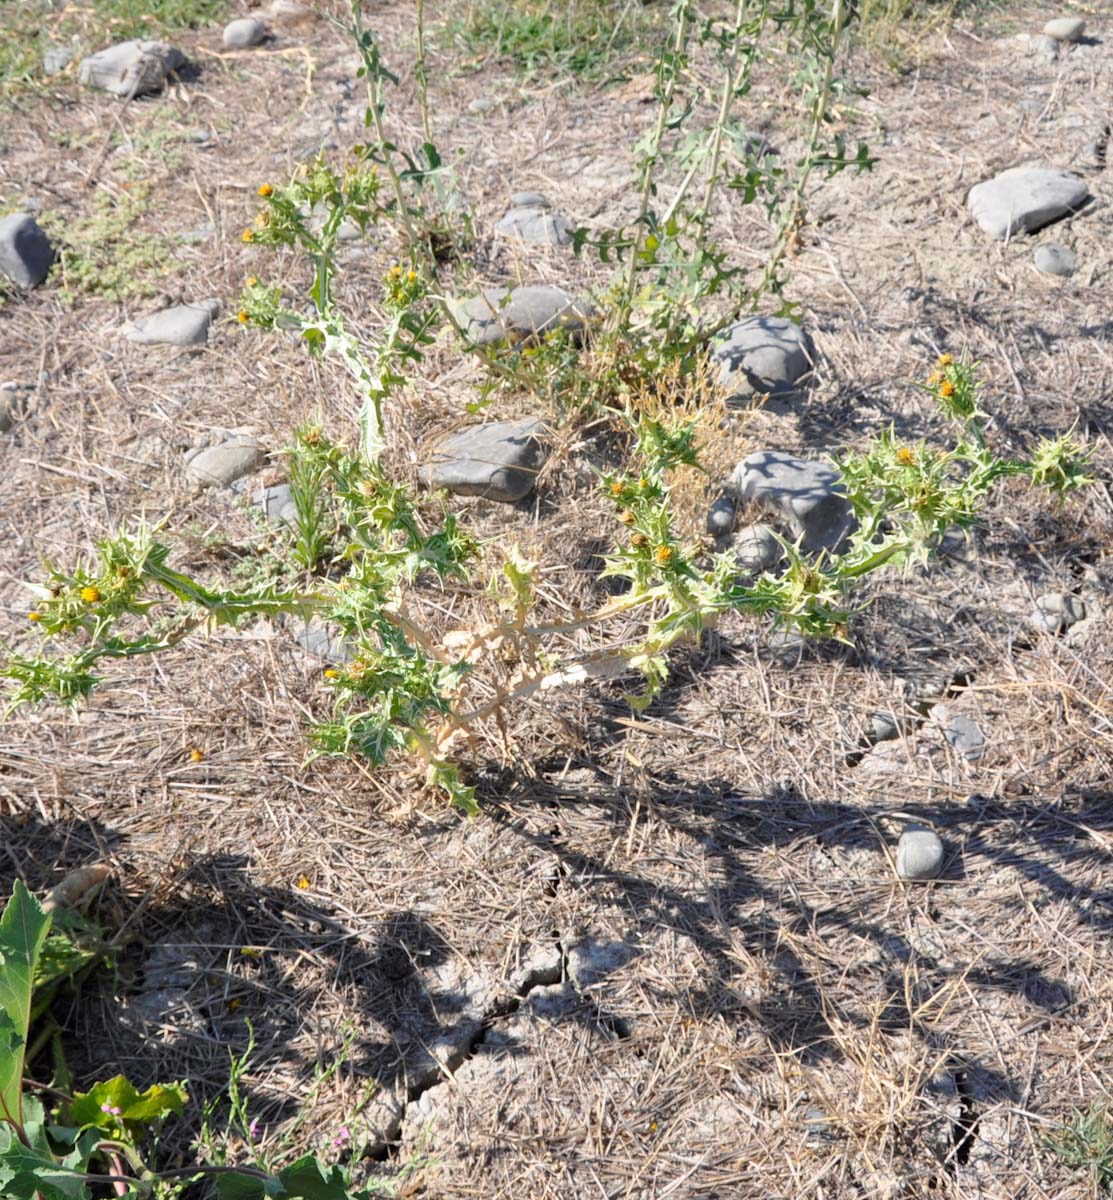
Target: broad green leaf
<point x="309" y="1179"/>
<point x="115" y="1100"/>
<point x="23" y="929"/>
<point x="26" y="1174"/>
<point x="248" y="1187"/>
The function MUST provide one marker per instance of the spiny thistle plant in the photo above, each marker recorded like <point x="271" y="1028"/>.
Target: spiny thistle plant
<point x="407" y="689"/>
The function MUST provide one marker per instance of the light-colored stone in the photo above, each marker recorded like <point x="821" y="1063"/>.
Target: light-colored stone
<point x="763" y="355"/>
<point x="1024" y="199"/>
<point x="720" y="516"/>
<point x="962" y="733"/>
<point x="57" y="58"/>
<point x="1053" y="259"/>
<point x="502" y="314"/>
<point x="536" y="225"/>
<point x="277" y="503"/>
<point x="529" y="200"/>
<point x="224" y="464"/>
<point x="316" y="638"/>
<point x="182" y="325"/>
<point x="26" y="254"/>
<point x="756" y="549"/>
<point x="1065" y="29"/>
<point x="498" y="461"/>
<point x="1056" y="612"/>
<point x="131" y="68"/>
<point x="244" y="33"/>
<point x="807" y="495"/>
<point x="919" y="854"/>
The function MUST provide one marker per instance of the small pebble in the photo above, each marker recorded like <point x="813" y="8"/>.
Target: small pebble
<point x="1053" y="259"/>
<point x="1065" y="29"/>
<point x="919" y="854"/>
<point x="884" y="727"/>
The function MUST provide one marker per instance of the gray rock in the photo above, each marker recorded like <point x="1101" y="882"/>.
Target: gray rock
<point x="482" y="104"/>
<point x="763" y="355"/>
<point x="720" y="516"/>
<point x="26" y="254"/>
<point x="318" y="640"/>
<point x="222" y="465"/>
<point x="244" y="33"/>
<point x="1053" y="259"/>
<point x="15" y="399"/>
<point x="131" y="68"/>
<point x="529" y="200"/>
<point x="805" y="494"/>
<point x="1065" y="29"/>
<point x="498" y="461"/>
<point x="536" y="225"/>
<point x="1056" y="612"/>
<point x="885" y="727"/>
<point x="818" y="1126"/>
<point x="1048" y="49"/>
<point x="277" y="503"/>
<point x="756" y="549"/>
<point x="57" y="58"/>
<point x="963" y="734"/>
<point x="182" y="325"/>
<point x="513" y="314"/>
<point x="1024" y="199"/>
<point x="919" y="854"/>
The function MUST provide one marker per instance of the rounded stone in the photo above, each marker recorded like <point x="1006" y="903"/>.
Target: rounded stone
<point x="244" y="32"/>
<point x="1065" y="29"/>
<point x="182" y="325"/>
<point x="884" y="727"/>
<point x="763" y="356"/>
<point x="529" y="200"/>
<point x="525" y="313"/>
<point x="132" y="68"/>
<point x="720" y="517"/>
<point x="756" y="548"/>
<point x="1053" y="259"/>
<point x="221" y="466"/>
<point x="26" y="254"/>
<point x="1024" y="199"/>
<point x="807" y="495"/>
<point x="919" y="854"/>
<point x="533" y="223"/>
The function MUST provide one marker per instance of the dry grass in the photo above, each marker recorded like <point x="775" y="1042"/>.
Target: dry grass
<point x="731" y="846"/>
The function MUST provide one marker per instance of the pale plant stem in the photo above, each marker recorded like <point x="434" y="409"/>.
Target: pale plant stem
<point x="664" y="104"/>
<point x="420" y="73"/>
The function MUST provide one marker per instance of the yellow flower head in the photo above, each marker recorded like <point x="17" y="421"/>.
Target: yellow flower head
<point x="248" y="235"/>
<point x="663" y="555"/>
<point x="242" y="317"/>
<point x="934" y="378"/>
<point x="945" y="360"/>
<point x="905" y="457"/>
<point x="252" y="281"/>
<point x="331" y="674"/>
<point x="34" y="616"/>
<point x="411" y="277"/>
<point x="946" y="389"/>
<point x="266" y="190"/>
<point x="303" y="883"/>
<point x="616" y="488"/>
<point x="90" y="594"/>
<point x="395" y="272"/>
<point x="195" y="755"/>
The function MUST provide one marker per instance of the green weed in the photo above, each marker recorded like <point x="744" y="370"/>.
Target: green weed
<point x="104" y="254"/>
<point x="578" y="38"/>
<point x="1085" y="1143"/>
